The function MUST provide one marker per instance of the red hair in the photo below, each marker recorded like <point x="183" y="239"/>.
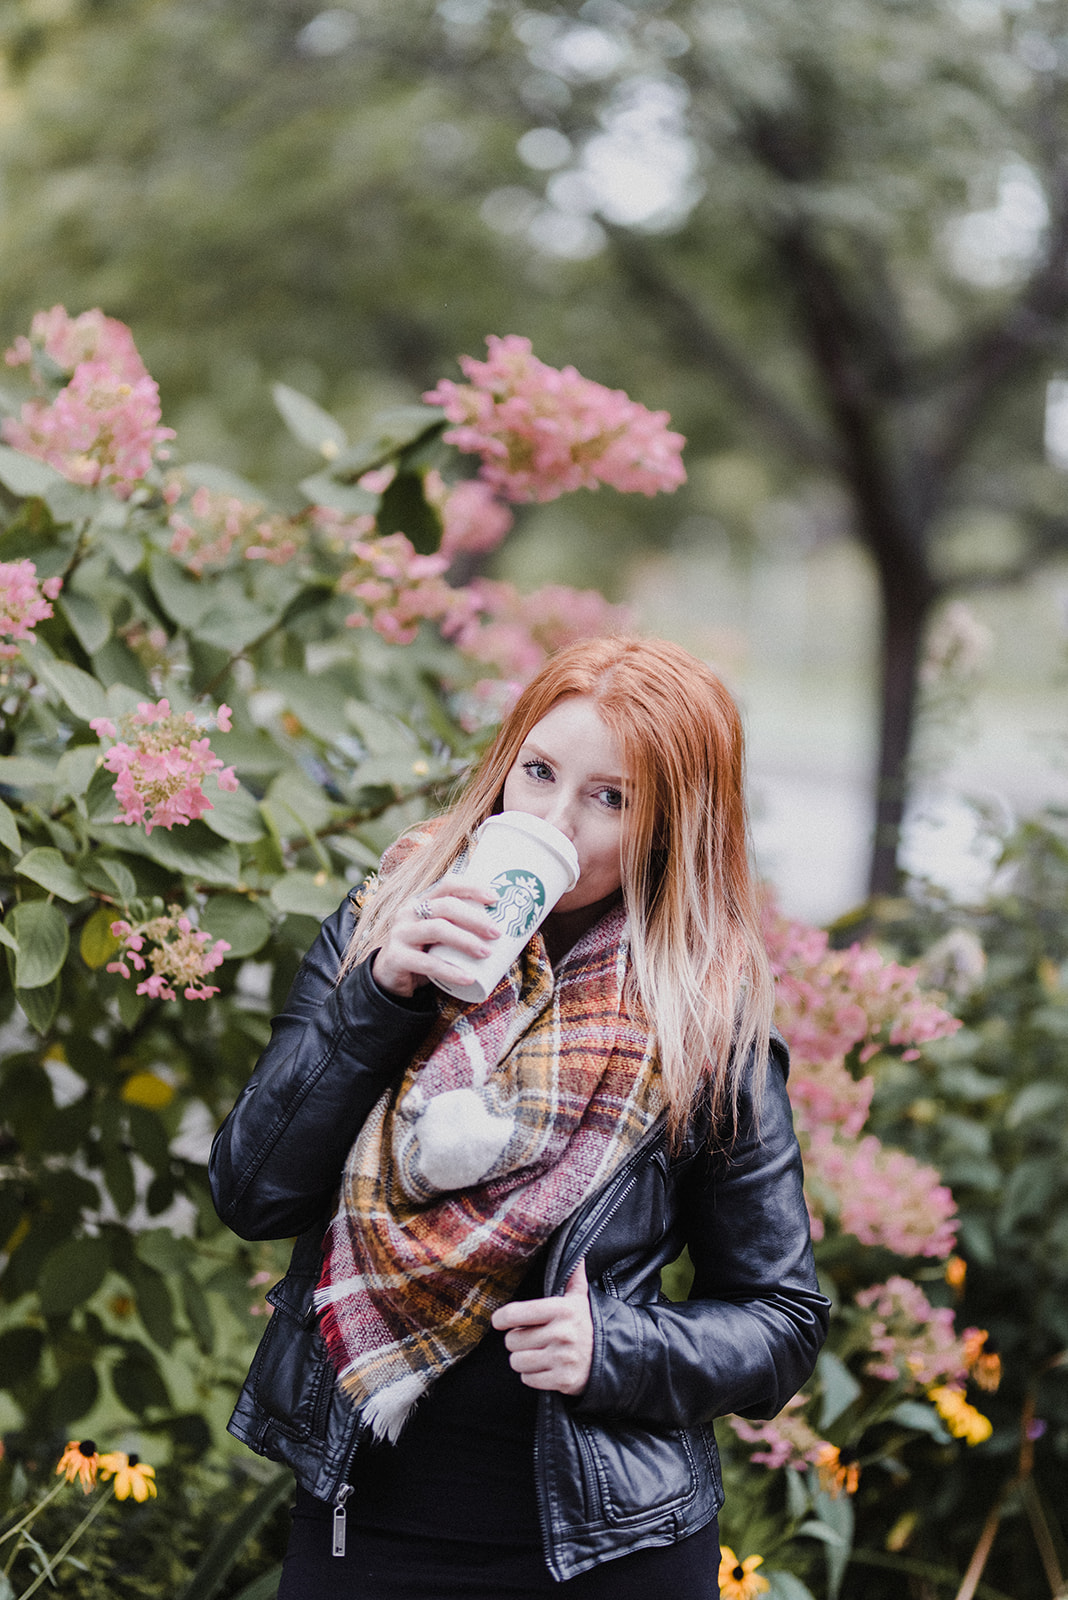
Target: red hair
<point x="699" y="961"/>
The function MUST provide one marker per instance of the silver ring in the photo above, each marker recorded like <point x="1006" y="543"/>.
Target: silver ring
<point x="423" y="910"/>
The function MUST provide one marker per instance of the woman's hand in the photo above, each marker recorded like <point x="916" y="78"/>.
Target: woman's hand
<point x="452" y="913"/>
<point x="551" y="1341"/>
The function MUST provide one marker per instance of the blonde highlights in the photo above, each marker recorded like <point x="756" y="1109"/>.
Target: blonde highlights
<point x="699" y="964"/>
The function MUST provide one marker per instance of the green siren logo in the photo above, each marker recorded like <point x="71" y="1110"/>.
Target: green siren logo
<point x="521" y="900"/>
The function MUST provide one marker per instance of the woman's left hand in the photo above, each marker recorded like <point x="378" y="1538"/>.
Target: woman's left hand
<point x="551" y="1341"/>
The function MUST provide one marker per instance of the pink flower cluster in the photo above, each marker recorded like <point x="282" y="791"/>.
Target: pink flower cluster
<point x="182" y="955"/>
<point x="786" y="1441"/>
<point x="881" y="1196"/>
<point x="23" y="604"/>
<point x="830" y="1001"/>
<point x="398" y="588"/>
<point x="160" y="764"/>
<point x="514" y="632"/>
<point x="913" y="1341"/>
<point x="212" y="526"/>
<point x="473" y="520"/>
<point x="103" y="425"/>
<point x="543" y="431"/>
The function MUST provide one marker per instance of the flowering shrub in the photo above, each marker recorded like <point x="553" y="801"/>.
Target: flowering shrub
<point x="23" y="603"/>
<point x="183" y="954"/>
<point x="541" y="432"/>
<point x="162" y="771"/>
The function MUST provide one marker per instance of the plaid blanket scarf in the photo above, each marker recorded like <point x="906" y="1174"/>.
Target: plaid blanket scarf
<point x="514" y="1112"/>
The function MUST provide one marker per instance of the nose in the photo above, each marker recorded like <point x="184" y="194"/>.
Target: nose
<point x="561" y="815"/>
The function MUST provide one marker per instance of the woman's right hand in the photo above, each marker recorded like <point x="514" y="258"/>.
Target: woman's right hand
<point x="457" y="916"/>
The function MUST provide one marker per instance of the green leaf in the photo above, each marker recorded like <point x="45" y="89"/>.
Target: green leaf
<point x="161" y="1250"/>
<point x="840" y="1388"/>
<point x="9" y="830"/>
<point x="233" y="624"/>
<point x="221" y="480"/>
<point x="71" y="1274"/>
<point x="20" y="1353"/>
<point x="228" y="1545"/>
<point x="785" y="1586"/>
<point x="40" y="1005"/>
<point x="319" y="702"/>
<point x="7" y="938"/>
<point x="26" y="772"/>
<point x="192" y="850"/>
<point x="925" y="1419"/>
<point x="43" y="940"/>
<point x="101" y="804"/>
<point x="244" y="924"/>
<point x="139" y="1384"/>
<point x="296" y="805"/>
<point x="300" y="891"/>
<point x="76" y="769"/>
<point x="81" y="693"/>
<point x="1036" y="1100"/>
<point x="185" y="599"/>
<point x="25" y="475"/>
<point x="234" y="814"/>
<point x="109" y="876"/>
<point x="88" y="621"/>
<point x="198" y="1312"/>
<point x="265" y="1587"/>
<point x="154" y="1304"/>
<point x="308" y="422"/>
<point x="48" y="868"/>
<point x="97" y="945"/>
<point x="320" y="489"/>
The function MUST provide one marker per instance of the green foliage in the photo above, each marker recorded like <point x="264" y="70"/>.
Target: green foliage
<point x="987" y="1107"/>
<point x="122" y="1300"/>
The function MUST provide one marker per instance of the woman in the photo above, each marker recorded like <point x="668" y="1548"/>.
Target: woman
<point x="482" y="1390"/>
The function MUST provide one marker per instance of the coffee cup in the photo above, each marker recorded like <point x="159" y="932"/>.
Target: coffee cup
<point x="529" y="864"/>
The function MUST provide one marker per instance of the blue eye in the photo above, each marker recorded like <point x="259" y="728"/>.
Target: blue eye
<point x="537" y="769"/>
<point x="612" y="798"/>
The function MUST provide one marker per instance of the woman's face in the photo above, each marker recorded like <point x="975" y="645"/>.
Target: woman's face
<point x="569" y="772"/>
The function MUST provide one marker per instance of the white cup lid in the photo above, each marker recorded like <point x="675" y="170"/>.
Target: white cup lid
<point x="544" y="832"/>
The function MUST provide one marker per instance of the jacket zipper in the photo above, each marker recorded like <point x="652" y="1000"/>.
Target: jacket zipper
<point x="618" y="1186"/>
<point x="340" y="1519"/>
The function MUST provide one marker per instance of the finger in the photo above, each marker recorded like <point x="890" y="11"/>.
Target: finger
<point x="578" y="1283"/>
<point x="525" y="1313"/>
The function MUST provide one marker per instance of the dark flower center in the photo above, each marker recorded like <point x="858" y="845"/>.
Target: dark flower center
<point x="738" y="1574"/>
<point x="87" y="1447"/>
<point x="131" y="1461"/>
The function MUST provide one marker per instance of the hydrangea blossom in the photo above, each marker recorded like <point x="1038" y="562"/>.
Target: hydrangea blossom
<point x="543" y="431"/>
<point x="104" y="425"/>
<point x="913" y="1342"/>
<point x="179" y="954"/>
<point x="473" y="519"/>
<point x="207" y="531"/>
<point x="68" y="341"/>
<point x="23" y="603"/>
<point x="881" y="1196"/>
<point x="787" y="1440"/>
<point x="160" y="762"/>
<point x="398" y="588"/>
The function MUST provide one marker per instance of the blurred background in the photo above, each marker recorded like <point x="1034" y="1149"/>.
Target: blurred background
<point x="830" y="239"/>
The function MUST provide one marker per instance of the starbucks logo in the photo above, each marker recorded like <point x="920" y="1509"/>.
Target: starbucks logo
<point x="520" y="901"/>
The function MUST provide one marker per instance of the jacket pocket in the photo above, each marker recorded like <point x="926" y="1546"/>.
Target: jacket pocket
<point x="636" y="1473"/>
<point x="291" y="1379"/>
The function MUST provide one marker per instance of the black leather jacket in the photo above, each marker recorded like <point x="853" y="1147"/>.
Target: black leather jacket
<point x="632" y="1461"/>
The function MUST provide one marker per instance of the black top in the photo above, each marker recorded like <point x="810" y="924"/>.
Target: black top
<point x="463" y="1467"/>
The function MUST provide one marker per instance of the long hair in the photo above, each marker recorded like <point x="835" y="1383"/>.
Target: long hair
<point x="699" y="964"/>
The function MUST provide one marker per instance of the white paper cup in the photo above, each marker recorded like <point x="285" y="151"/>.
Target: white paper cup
<point x="530" y="864"/>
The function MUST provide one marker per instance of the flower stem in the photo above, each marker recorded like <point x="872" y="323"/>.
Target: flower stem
<point x="33" y="1512"/>
<point x="71" y="1542"/>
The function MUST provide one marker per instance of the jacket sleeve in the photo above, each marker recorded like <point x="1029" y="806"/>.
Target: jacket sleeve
<point x="334" y="1048"/>
<point x="749" y="1334"/>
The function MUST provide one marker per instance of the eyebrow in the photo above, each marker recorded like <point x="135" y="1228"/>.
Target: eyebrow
<point x="612" y="779"/>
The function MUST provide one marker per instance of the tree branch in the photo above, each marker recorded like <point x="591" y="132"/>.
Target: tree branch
<point x="700" y="344"/>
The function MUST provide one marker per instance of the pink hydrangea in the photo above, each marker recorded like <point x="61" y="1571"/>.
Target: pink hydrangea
<point x="211" y="527"/>
<point x="542" y="431"/>
<point x="161" y="762"/>
<point x="787" y="1440"/>
<point x="23" y="603"/>
<point x="398" y="588"/>
<point x="880" y="1195"/>
<point x="514" y="632"/>
<point x="473" y="520"/>
<point x="181" y="954"/>
<point x="68" y="341"/>
<point x="100" y="428"/>
<point x="912" y="1341"/>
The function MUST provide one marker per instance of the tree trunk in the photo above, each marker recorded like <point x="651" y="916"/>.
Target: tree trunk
<point x="905" y="610"/>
